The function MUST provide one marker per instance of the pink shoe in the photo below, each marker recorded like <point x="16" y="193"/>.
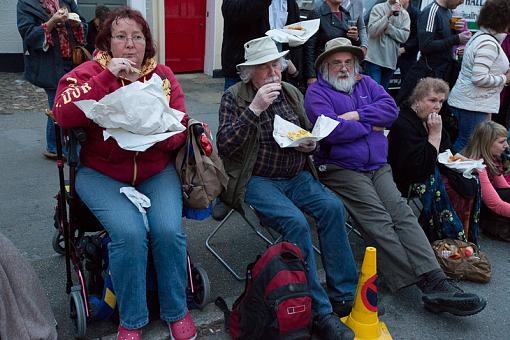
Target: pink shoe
<point x="183" y="329"/>
<point x="129" y="334"/>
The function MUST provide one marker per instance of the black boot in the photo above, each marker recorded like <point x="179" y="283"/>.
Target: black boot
<point x="329" y="327"/>
<point x="344" y="307"/>
<point x="441" y="294"/>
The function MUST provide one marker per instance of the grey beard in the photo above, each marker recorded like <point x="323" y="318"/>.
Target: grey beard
<point x="343" y="84"/>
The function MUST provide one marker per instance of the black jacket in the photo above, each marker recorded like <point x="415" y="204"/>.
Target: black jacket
<point x="435" y="37"/>
<point x="411" y="45"/>
<point x="244" y="20"/>
<point x="330" y="27"/>
<point x="411" y="156"/>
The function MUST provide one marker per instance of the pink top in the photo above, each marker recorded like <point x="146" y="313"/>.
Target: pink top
<point x="489" y="195"/>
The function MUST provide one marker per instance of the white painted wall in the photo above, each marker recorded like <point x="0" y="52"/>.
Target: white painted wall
<point x="213" y="36"/>
<point x="140" y="5"/>
<point x="10" y="40"/>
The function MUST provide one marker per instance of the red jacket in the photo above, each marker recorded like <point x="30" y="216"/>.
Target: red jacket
<point x="92" y="80"/>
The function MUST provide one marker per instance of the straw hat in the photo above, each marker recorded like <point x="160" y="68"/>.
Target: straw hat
<point x="260" y="51"/>
<point x="339" y="45"/>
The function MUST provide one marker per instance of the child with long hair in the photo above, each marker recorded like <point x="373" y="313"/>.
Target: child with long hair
<point x="489" y="141"/>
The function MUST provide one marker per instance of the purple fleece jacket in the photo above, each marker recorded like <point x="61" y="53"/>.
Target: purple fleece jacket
<point x="353" y="144"/>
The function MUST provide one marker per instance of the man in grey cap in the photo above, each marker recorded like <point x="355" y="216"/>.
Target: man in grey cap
<point x="280" y="183"/>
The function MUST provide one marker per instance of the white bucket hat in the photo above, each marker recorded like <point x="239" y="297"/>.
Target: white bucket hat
<point x="260" y="51"/>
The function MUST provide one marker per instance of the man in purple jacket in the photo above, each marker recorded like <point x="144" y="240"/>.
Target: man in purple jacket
<point x="352" y="161"/>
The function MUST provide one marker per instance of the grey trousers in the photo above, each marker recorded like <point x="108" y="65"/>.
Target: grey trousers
<point x="375" y="204"/>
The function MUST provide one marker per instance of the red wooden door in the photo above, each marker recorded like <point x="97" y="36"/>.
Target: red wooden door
<point x="185" y="34"/>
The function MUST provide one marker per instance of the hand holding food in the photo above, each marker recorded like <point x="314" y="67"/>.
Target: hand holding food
<point x="265" y="96"/>
<point x="307" y="147"/>
<point x="121" y="67"/>
<point x="58" y="19"/>
<point x="434" y="124"/>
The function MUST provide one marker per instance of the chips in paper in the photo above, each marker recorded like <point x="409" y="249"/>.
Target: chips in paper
<point x="283" y="130"/>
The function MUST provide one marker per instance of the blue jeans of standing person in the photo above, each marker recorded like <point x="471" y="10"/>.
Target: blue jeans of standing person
<point x="51" y="144"/>
<point x="229" y="81"/>
<point x="466" y="123"/>
<point x="382" y="75"/>
<point x="281" y="204"/>
<point x="130" y="241"/>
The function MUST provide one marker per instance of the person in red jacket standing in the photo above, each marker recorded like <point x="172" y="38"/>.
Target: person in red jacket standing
<point x="125" y="55"/>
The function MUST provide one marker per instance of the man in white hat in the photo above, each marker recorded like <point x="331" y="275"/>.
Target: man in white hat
<point x="352" y="161"/>
<point x="279" y="183"/>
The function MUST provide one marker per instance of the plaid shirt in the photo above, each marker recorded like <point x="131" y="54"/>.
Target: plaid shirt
<point x="236" y="126"/>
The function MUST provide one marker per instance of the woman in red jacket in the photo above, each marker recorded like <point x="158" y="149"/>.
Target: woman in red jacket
<point x="126" y="54"/>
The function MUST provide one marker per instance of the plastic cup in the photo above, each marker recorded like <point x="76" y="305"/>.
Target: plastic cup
<point x="455" y="22"/>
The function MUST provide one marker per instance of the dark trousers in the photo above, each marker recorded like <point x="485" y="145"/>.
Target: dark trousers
<point x="495" y="225"/>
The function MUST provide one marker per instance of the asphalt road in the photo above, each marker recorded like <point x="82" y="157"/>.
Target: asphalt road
<point x="30" y="182"/>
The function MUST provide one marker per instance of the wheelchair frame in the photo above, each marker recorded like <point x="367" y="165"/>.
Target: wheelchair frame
<point x="69" y="233"/>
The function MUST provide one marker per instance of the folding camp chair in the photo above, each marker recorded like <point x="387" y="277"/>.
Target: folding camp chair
<point x="272" y="239"/>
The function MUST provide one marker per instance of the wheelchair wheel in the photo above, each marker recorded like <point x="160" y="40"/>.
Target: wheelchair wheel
<point x="57" y="242"/>
<point x="77" y="314"/>
<point x="201" y="286"/>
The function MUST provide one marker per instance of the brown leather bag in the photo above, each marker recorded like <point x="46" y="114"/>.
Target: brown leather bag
<point x="462" y="260"/>
<point x="202" y="174"/>
<point x="80" y="55"/>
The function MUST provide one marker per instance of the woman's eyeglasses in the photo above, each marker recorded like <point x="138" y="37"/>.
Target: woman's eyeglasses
<point x="137" y="38"/>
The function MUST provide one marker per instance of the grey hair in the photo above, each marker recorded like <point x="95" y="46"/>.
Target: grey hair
<point x="246" y="71"/>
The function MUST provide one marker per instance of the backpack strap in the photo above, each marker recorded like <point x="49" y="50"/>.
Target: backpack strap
<point x="222" y="305"/>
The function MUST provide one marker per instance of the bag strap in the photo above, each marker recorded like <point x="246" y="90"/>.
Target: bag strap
<point x="222" y="305"/>
<point x="85" y="51"/>
<point x="192" y="140"/>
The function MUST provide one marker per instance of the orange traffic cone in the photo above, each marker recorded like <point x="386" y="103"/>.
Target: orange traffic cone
<point x="363" y="319"/>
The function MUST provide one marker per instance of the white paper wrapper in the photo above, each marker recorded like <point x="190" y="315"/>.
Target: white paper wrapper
<point x="466" y="167"/>
<point x="140" y="108"/>
<point x="322" y="128"/>
<point x="295" y="37"/>
<point x="134" y="142"/>
<point x="139" y="200"/>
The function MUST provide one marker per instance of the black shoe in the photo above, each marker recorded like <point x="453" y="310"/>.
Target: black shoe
<point x="446" y="296"/>
<point x="50" y="155"/>
<point x="343" y="308"/>
<point x="329" y="327"/>
<point x="220" y="210"/>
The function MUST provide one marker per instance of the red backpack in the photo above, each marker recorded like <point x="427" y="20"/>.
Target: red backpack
<point x="276" y="302"/>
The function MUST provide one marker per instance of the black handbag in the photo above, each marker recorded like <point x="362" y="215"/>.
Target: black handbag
<point x="462" y="185"/>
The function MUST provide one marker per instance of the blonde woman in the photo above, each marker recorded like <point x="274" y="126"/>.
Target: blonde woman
<point x="489" y="141"/>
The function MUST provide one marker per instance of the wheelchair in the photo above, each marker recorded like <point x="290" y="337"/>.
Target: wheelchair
<point x="82" y="239"/>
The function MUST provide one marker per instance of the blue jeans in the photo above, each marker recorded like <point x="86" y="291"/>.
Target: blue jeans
<point x="382" y="75"/>
<point x="130" y="241"/>
<point x="281" y="202"/>
<point x="51" y="144"/>
<point x="466" y="123"/>
<point x="229" y="81"/>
